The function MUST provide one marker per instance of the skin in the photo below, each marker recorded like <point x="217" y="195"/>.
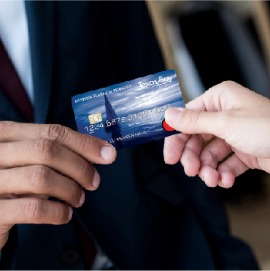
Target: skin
<point x="39" y="161"/>
<point x="225" y="132"/>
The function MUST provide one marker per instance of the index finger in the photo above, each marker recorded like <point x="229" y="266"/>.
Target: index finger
<point x="91" y="148"/>
<point x="219" y="97"/>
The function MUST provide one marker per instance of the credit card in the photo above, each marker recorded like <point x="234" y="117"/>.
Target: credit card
<point x="131" y="112"/>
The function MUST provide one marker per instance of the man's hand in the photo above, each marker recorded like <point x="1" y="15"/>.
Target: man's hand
<point x="38" y="161"/>
<point x="225" y="131"/>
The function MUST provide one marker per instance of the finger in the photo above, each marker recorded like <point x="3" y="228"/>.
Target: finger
<point x="214" y="152"/>
<point x="220" y="97"/>
<point x="173" y="148"/>
<point x="40" y="180"/>
<point x="253" y="162"/>
<point x="49" y="153"/>
<point x="91" y="148"/>
<point x="233" y="166"/>
<point x="196" y="122"/>
<point x="34" y="211"/>
<point x="227" y="179"/>
<point x="210" y="176"/>
<point x="190" y="156"/>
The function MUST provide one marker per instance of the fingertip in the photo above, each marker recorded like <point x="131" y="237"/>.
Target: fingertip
<point x="95" y="181"/>
<point x="108" y="153"/>
<point x="190" y="171"/>
<point x="82" y="199"/>
<point x="172" y="115"/>
<point x="169" y="158"/>
<point x="227" y="180"/>
<point x="66" y="218"/>
<point x="211" y="183"/>
<point x="70" y="213"/>
<point x="210" y="176"/>
<point x="191" y="168"/>
<point x="168" y="161"/>
<point x="172" y="150"/>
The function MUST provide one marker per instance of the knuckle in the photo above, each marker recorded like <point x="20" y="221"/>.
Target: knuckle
<point x="46" y="148"/>
<point x="84" y="169"/>
<point x="228" y="85"/>
<point x="55" y="132"/>
<point x="221" y="88"/>
<point x="192" y="117"/>
<point x="86" y="141"/>
<point x="208" y="157"/>
<point x="40" y="176"/>
<point x="35" y="210"/>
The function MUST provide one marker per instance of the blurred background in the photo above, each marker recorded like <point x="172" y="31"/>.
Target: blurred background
<point x="207" y="42"/>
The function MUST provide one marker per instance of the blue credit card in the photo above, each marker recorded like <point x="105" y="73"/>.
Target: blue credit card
<point x="131" y="112"/>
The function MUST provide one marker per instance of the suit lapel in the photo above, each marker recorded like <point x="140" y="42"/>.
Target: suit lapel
<point x="40" y="17"/>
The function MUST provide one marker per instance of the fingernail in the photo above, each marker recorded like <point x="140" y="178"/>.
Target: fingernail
<point x="96" y="180"/>
<point x="172" y="114"/>
<point x="82" y="199"/>
<point x="70" y="213"/>
<point x="226" y="182"/>
<point x="202" y="177"/>
<point x="108" y="153"/>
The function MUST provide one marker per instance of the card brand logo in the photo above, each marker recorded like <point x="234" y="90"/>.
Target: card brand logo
<point x="161" y="81"/>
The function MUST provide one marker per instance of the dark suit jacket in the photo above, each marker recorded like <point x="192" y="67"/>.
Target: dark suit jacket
<point x="145" y="215"/>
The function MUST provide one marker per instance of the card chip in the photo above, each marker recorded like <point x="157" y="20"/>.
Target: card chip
<point x="95" y="118"/>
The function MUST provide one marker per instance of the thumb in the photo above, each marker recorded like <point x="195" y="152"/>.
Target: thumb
<point x="194" y="121"/>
